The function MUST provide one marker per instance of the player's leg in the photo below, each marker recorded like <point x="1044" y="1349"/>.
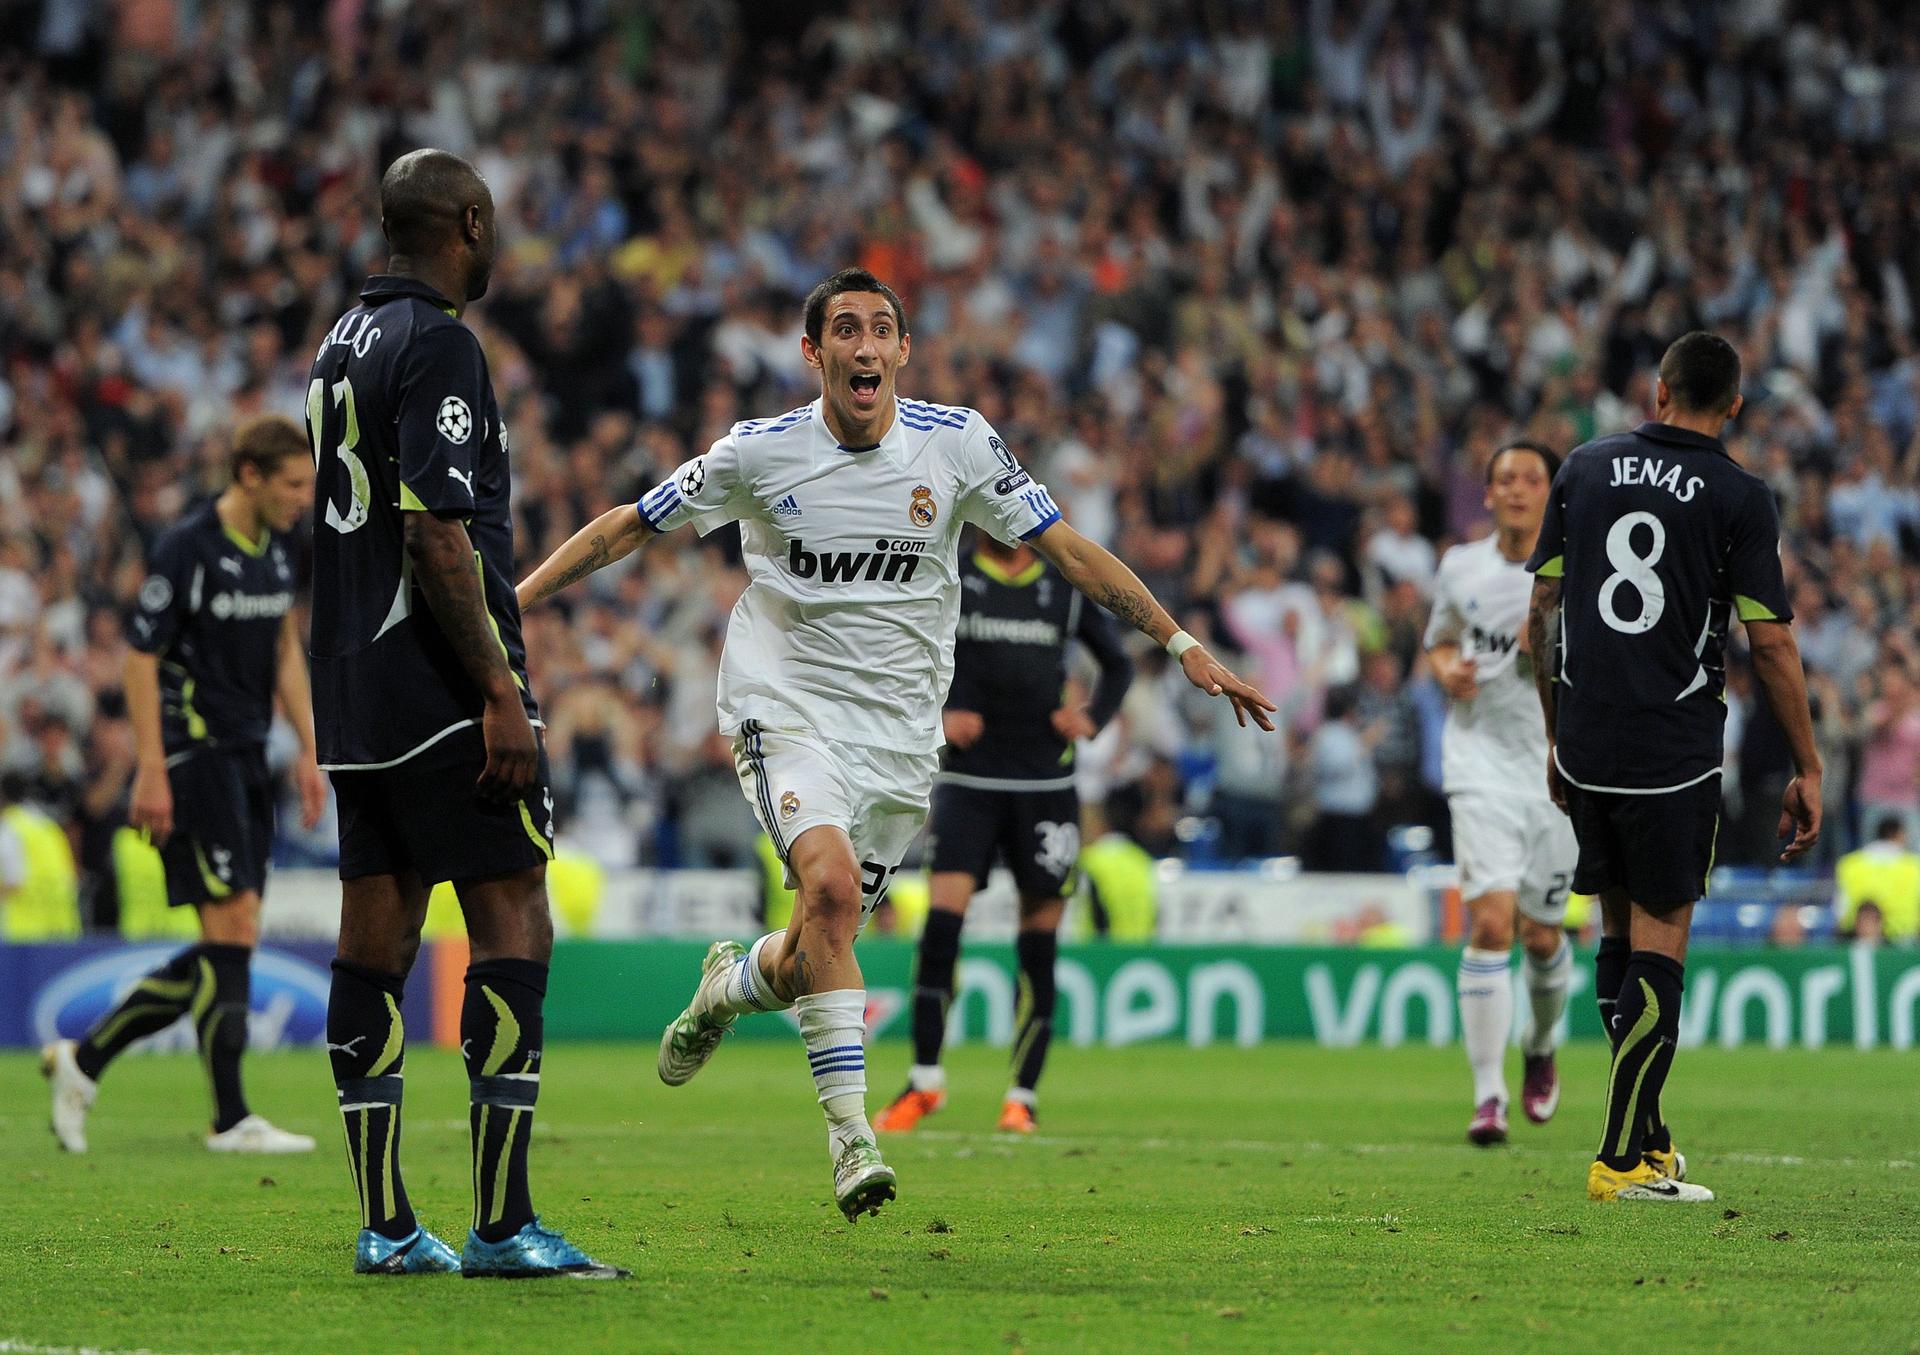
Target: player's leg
<point x="1485" y="988"/>
<point x="963" y="834"/>
<point x="199" y="867"/>
<point x="496" y="857"/>
<point x="1490" y="844"/>
<point x="230" y="932"/>
<point x="383" y="904"/>
<point x="1043" y="861"/>
<point x="1547" y="958"/>
<point x="73" y="1068"/>
<point x="1671" y="837"/>
<point x="1036" y="949"/>
<point x="380" y="919"/>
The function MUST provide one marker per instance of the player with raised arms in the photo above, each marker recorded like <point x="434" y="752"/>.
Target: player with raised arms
<point x="1653" y="541"/>
<point x="1513" y="845"/>
<point x="838" y="657"/>
<point x="426" y="724"/>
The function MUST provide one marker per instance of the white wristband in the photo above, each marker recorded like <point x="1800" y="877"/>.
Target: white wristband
<point x="1180" y="644"/>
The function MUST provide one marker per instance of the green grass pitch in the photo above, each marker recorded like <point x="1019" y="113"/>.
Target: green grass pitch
<point x="1279" y="1198"/>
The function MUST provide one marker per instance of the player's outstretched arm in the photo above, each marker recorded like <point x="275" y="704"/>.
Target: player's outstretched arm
<point x="443" y="566"/>
<point x="1776" y="667"/>
<point x="1102" y="576"/>
<point x="614" y="535"/>
<point x="1540" y="609"/>
<point x="295" y="696"/>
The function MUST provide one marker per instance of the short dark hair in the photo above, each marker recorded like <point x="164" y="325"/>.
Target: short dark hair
<point x="1702" y="373"/>
<point x="424" y="196"/>
<point x="848" y="280"/>
<point x="1889" y="828"/>
<point x="1545" y="453"/>
<point x="267" y="442"/>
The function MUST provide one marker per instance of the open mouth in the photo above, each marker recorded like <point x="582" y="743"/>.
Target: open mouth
<point x="866" y="388"/>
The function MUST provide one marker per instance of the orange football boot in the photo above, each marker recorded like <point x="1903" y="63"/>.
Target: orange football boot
<point x="907" y="1110"/>
<point x="1016" y="1117"/>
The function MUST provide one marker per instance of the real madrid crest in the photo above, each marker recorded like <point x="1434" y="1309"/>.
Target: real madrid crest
<point x="789" y="805"/>
<point x="922" y="511"/>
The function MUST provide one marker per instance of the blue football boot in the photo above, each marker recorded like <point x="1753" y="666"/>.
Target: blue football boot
<point x="419" y="1253"/>
<point x="533" y="1253"/>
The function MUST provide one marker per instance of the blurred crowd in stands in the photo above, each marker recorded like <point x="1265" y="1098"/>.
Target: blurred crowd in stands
<point x="1256" y="288"/>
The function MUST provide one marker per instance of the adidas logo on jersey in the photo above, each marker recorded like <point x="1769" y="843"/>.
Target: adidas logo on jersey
<point x="788" y="507"/>
<point x="892" y="562"/>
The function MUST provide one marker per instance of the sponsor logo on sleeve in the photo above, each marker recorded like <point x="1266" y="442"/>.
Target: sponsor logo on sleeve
<point x="1015" y="477"/>
<point x="693" y="479"/>
<point x="156" y="593"/>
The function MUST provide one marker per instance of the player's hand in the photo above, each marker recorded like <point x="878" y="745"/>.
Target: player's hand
<point x="1459" y="680"/>
<point x="1216" y="679"/>
<point x="1071" y="723"/>
<point x="312" y="788"/>
<point x="1800" y="815"/>
<point x="152" y="804"/>
<point x="963" y="728"/>
<point x="1556" y="784"/>
<point x="513" y="755"/>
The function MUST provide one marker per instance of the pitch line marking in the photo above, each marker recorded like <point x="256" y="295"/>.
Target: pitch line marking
<point x="1745" y="1157"/>
<point x="10" y="1347"/>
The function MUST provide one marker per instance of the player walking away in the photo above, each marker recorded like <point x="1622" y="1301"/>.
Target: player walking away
<point x="1653" y="541"/>
<point x="837" y="660"/>
<point x="1007" y="792"/>
<point x="426" y="724"/>
<point x="1514" y="846"/>
<point x="214" y="647"/>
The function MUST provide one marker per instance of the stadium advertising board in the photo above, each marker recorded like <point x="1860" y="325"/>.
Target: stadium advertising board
<point x="1109" y="994"/>
<point x="60" y="989"/>
<point x="1118" y="995"/>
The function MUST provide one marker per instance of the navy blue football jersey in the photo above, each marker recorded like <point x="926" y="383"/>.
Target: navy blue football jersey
<point x="402" y="418"/>
<point x="1010" y="666"/>
<point x="1660" y="540"/>
<point x="211" y="610"/>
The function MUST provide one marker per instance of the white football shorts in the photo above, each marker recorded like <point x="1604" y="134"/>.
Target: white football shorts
<point x="1507" y="842"/>
<point x="796" y="780"/>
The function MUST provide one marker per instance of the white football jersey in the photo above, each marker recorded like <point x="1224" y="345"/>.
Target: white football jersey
<point x="846" y="627"/>
<point x="1496" y="742"/>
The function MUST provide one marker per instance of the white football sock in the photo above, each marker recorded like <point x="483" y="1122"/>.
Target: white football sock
<point x="1486" y="1018"/>
<point x="834" y="1026"/>
<point x="1547" y="985"/>
<point x="746" y="988"/>
<point x="927" y="1077"/>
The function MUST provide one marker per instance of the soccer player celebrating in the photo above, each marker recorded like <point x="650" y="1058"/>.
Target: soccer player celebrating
<point x="214" y="647"/>
<point x="1653" y="540"/>
<point x="837" y="660"/>
<point x="1514" y="846"/>
<point x="1007" y="792"/>
<point x="426" y="724"/>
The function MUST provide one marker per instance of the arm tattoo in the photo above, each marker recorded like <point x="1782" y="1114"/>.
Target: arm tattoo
<point x="596" y="557"/>
<point x="443" y="566"/>
<point x="1546" y="597"/>
<point x="1127" y="604"/>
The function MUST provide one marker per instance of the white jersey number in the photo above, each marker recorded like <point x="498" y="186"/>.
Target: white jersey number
<point x="361" y="489"/>
<point x="1635" y="571"/>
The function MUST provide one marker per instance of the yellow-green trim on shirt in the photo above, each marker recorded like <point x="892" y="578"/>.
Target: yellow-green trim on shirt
<point x="1552" y="569"/>
<point x="1752" y="610"/>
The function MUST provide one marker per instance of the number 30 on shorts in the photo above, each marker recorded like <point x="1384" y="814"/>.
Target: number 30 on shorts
<point x="873" y="885"/>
